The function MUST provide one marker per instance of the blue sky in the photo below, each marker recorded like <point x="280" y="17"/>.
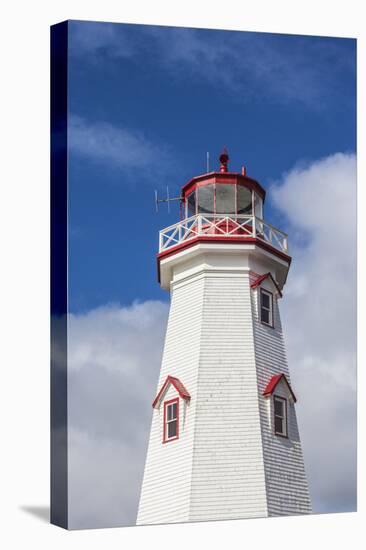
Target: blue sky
<point x="147" y="102"/>
<point x="145" y="105"/>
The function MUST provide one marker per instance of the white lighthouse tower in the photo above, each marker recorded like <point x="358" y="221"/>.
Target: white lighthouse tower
<point x="224" y="441"/>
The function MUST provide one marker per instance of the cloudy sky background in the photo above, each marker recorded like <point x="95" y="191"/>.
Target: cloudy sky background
<point x="146" y="103"/>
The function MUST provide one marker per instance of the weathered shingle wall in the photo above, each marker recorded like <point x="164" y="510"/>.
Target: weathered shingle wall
<point x="287" y="489"/>
<point x="228" y="473"/>
<point x="227" y="462"/>
<point x="166" y="486"/>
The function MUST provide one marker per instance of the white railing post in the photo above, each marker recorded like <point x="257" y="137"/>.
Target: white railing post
<point x="199" y="225"/>
<point x="254" y="227"/>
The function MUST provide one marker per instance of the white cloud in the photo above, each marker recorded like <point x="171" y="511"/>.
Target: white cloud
<point x="319" y="317"/>
<point x="115" y="352"/>
<point x="123" y="148"/>
<point x="114" y="362"/>
<point x="104" y="478"/>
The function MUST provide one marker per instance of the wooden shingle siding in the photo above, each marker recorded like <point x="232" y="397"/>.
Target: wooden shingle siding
<point x="166" y="488"/>
<point x="227" y="462"/>
<point x="286" y="484"/>
<point x="228" y="475"/>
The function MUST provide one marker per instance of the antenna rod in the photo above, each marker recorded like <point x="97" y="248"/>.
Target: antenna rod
<point x="208" y="161"/>
<point x="167" y="200"/>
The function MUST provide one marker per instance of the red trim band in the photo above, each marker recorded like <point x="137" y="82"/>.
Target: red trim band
<point x="231" y="240"/>
<point x="213" y="238"/>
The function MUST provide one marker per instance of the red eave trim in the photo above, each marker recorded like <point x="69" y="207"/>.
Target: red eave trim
<point x="262" y="278"/>
<point x="179" y="386"/>
<point x="269" y="389"/>
<point x="231" y="240"/>
<point x="182" y="246"/>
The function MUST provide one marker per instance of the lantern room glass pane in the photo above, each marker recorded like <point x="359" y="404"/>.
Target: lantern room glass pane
<point x="191" y="204"/>
<point x="225" y="199"/>
<point x="258" y="206"/>
<point x="206" y="199"/>
<point x="244" y="201"/>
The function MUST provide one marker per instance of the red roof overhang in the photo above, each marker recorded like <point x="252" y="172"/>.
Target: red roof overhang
<point x="269" y="389"/>
<point x="262" y="278"/>
<point x="223" y="177"/>
<point x="178" y="386"/>
<point x="216" y="238"/>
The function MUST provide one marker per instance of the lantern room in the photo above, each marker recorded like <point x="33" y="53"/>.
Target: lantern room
<point x="227" y="208"/>
<point x="223" y="193"/>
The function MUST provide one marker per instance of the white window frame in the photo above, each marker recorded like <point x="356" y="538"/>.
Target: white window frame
<point x="284" y="418"/>
<point x="270" y="309"/>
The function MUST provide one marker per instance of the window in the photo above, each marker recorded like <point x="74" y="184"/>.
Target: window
<point x="225" y="199"/>
<point x="258" y="206"/>
<point x="171" y="419"/>
<point x="280" y="415"/>
<point x="266" y="307"/>
<point x="191" y="204"/>
<point x="206" y="199"/>
<point x="244" y="201"/>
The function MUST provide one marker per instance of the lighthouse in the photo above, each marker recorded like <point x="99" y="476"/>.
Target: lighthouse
<point x="224" y="440"/>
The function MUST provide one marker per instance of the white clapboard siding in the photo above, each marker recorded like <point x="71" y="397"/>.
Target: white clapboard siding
<point x="287" y="489"/>
<point x="227" y="462"/>
<point x="165" y="495"/>
<point x="228" y="474"/>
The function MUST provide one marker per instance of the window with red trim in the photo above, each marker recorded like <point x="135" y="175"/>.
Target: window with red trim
<point x="280" y="415"/>
<point x="171" y="420"/>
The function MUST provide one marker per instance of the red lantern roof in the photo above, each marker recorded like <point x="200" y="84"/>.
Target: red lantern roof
<point x="224" y="176"/>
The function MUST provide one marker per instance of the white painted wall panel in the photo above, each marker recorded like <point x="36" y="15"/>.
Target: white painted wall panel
<point x="165" y="494"/>
<point x="227" y="463"/>
<point x="287" y="488"/>
<point x="228" y="472"/>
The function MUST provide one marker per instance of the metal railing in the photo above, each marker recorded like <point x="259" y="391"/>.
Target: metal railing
<point x="210" y="225"/>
